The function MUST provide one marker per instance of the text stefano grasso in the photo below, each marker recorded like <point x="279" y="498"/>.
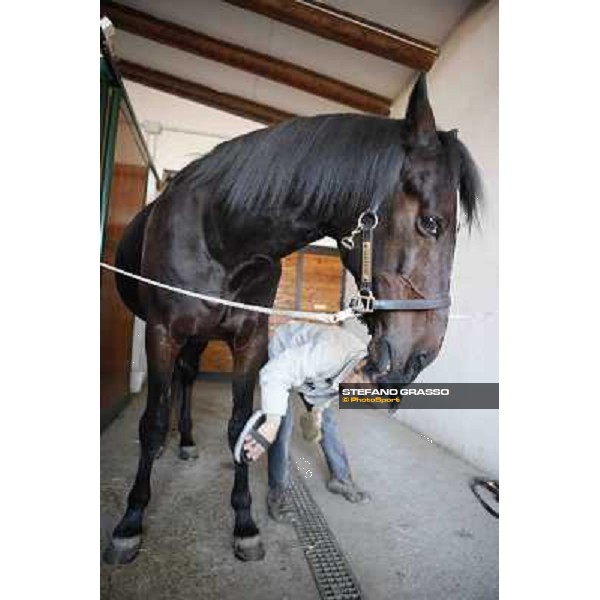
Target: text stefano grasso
<point x="395" y="392"/>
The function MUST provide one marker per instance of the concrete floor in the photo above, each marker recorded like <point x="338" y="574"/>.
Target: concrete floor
<point x="423" y="536"/>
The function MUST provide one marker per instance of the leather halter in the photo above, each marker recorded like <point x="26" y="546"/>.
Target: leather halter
<point x="365" y="301"/>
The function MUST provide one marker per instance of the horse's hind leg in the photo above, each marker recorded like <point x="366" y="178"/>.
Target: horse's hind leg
<point x="162" y="350"/>
<point x="186" y="372"/>
<point x="249" y="354"/>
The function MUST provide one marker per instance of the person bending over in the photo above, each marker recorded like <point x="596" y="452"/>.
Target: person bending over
<point x="311" y="360"/>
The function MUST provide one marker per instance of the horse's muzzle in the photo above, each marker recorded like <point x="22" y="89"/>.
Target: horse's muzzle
<point x="382" y="371"/>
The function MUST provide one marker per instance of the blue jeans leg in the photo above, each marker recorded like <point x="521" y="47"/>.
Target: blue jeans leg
<point x="333" y="448"/>
<point x="279" y="454"/>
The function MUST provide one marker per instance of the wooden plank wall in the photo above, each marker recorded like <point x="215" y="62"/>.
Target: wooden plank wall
<point x="127" y="197"/>
<point x="310" y="280"/>
<point x="128" y="192"/>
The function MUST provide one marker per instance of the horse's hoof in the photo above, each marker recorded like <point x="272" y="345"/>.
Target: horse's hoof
<point x="250" y="548"/>
<point x="121" y="551"/>
<point x="188" y="452"/>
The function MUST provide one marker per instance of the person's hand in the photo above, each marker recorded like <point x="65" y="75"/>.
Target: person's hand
<point x="358" y="373"/>
<point x="269" y="431"/>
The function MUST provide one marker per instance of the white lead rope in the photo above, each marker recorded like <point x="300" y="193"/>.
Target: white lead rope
<point x="320" y="317"/>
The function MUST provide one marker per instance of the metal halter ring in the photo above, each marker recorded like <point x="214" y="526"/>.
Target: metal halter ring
<point x="362" y="225"/>
<point x="363" y="220"/>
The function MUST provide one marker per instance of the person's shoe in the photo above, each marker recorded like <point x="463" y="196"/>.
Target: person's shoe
<point x="277" y="506"/>
<point x="349" y="490"/>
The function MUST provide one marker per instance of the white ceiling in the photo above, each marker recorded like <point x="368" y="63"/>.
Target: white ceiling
<point x="429" y="20"/>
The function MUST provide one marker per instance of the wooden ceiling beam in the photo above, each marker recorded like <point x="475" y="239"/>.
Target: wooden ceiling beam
<point x="345" y="28"/>
<point x="194" y="42"/>
<point x="199" y="93"/>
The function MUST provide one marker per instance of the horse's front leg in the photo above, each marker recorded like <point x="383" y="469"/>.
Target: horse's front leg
<point x="249" y="353"/>
<point x="162" y="350"/>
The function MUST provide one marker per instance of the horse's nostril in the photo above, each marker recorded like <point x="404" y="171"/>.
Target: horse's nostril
<point x="421" y="359"/>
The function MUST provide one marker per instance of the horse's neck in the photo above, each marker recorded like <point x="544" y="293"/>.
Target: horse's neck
<point x="277" y="233"/>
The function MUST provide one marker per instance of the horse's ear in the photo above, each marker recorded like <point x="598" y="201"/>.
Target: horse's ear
<point x="419" y="116"/>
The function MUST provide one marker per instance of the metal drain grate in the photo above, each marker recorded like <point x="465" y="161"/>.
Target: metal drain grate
<point x="329" y="566"/>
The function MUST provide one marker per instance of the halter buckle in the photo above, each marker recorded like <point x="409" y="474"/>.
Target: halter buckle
<point x="363" y="303"/>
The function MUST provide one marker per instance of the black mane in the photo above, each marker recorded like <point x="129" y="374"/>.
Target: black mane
<point x="470" y="188"/>
<point x="329" y="164"/>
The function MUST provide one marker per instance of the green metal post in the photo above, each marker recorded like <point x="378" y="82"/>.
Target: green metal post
<point x="105" y="84"/>
<point x="107" y="157"/>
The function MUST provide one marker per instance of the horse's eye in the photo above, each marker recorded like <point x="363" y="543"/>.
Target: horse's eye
<point x="428" y="225"/>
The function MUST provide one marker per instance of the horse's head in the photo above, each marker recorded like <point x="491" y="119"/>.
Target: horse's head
<point x="413" y="245"/>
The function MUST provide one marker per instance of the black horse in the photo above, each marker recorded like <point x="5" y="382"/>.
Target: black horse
<point x="224" y="223"/>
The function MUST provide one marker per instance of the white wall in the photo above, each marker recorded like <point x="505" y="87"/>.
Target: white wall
<point x="463" y="90"/>
<point x="186" y="129"/>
